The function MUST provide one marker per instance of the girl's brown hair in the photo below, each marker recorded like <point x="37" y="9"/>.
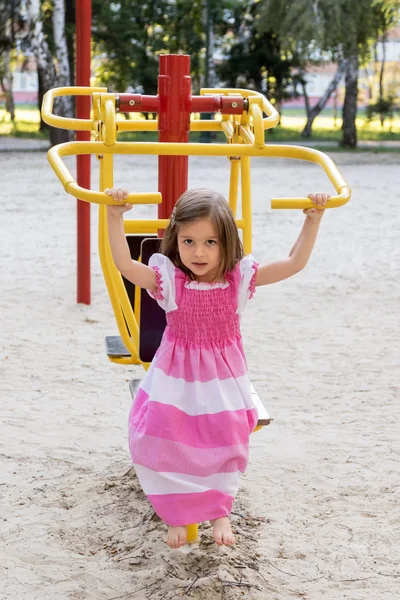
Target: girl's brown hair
<point x="204" y="204"/>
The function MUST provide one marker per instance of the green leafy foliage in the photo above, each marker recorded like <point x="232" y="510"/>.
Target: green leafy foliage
<point x="130" y="35"/>
<point x="340" y="29"/>
<point x="256" y="59"/>
<point x="127" y="36"/>
<point x="384" y="108"/>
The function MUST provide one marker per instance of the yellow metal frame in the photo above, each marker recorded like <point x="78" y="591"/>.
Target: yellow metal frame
<point x="245" y="135"/>
<point x="171" y="149"/>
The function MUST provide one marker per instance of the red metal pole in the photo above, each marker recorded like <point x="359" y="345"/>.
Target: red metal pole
<point x="83" y="34"/>
<point x="174" y="91"/>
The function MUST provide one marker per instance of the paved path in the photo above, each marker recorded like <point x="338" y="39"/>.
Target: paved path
<point x="372" y="144"/>
<point x="11" y="144"/>
<point x="14" y="144"/>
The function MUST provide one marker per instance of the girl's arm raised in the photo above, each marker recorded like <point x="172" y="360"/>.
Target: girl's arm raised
<point x="139" y="274"/>
<point x="301" y="251"/>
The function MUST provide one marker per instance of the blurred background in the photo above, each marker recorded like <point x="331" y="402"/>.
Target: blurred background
<point x="332" y="69"/>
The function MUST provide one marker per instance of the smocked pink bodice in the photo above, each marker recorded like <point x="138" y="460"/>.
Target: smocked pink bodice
<point x="204" y="316"/>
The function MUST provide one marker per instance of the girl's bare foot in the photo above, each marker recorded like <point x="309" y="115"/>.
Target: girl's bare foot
<point x="176" y="537"/>
<point x="222" y="532"/>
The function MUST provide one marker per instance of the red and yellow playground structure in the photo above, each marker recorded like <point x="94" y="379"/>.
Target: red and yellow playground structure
<point x="245" y="116"/>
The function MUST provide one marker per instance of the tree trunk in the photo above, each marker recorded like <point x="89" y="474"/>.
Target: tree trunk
<point x="335" y="108"/>
<point x="9" y="98"/>
<point x="45" y="65"/>
<point x="349" y="139"/>
<point x="66" y="105"/>
<point x="6" y="81"/>
<point x="212" y="80"/>
<point x="382" y="69"/>
<point x="209" y="67"/>
<point x="209" y="70"/>
<point x="41" y="91"/>
<point x="369" y="82"/>
<point x="70" y="19"/>
<point x="315" y="110"/>
<point x="39" y="45"/>
<point x="381" y="73"/>
<point x="305" y="96"/>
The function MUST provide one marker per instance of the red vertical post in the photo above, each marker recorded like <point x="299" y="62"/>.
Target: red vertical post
<point x="83" y="35"/>
<point x="174" y="91"/>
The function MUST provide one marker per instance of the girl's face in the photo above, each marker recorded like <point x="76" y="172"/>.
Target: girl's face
<point x="199" y="249"/>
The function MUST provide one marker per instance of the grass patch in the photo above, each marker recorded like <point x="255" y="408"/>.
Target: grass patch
<point x="325" y="128"/>
<point x="328" y="147"/>
<point x="26" y="124"/>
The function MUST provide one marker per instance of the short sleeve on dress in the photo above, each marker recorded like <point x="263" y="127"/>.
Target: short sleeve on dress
<point x="247" y="283"/>
<point x="165" y="273"/>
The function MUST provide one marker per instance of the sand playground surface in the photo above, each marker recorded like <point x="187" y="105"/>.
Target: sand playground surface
<point x="318" y="514"/>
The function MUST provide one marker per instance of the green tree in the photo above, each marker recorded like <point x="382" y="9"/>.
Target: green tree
<point x="10" y="23"/>
<point x="383" y="104"/>
<point x="342" y="30"/>
<point x="51" y="56"/>
<point x="130" y="35"/>
<point x="255" y="59"/>
<point x="125" y="36"/>
<point x="301" y="32"/>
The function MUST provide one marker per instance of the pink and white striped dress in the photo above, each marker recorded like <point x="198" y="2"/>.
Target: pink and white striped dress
<point x="190" y="422"/>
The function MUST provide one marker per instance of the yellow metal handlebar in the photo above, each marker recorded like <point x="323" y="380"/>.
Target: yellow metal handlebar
<point x="64" y="122"/>
<point x="71" y="187"/>
<point x="88" y="125"/>
<point x="342" y="198"/>
<point x="172" y="149"/>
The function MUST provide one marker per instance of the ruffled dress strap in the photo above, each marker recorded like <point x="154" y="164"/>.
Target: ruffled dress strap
<point x="243" y="281"/>
<point x="166" y="274"/>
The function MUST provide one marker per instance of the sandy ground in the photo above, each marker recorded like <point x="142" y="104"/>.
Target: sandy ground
<point x="318" y="516"/>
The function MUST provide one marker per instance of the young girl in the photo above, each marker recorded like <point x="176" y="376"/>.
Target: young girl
<point x="191" y="419"/>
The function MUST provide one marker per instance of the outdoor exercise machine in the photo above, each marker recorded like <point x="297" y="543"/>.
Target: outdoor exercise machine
<point x="244" y="117"/>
